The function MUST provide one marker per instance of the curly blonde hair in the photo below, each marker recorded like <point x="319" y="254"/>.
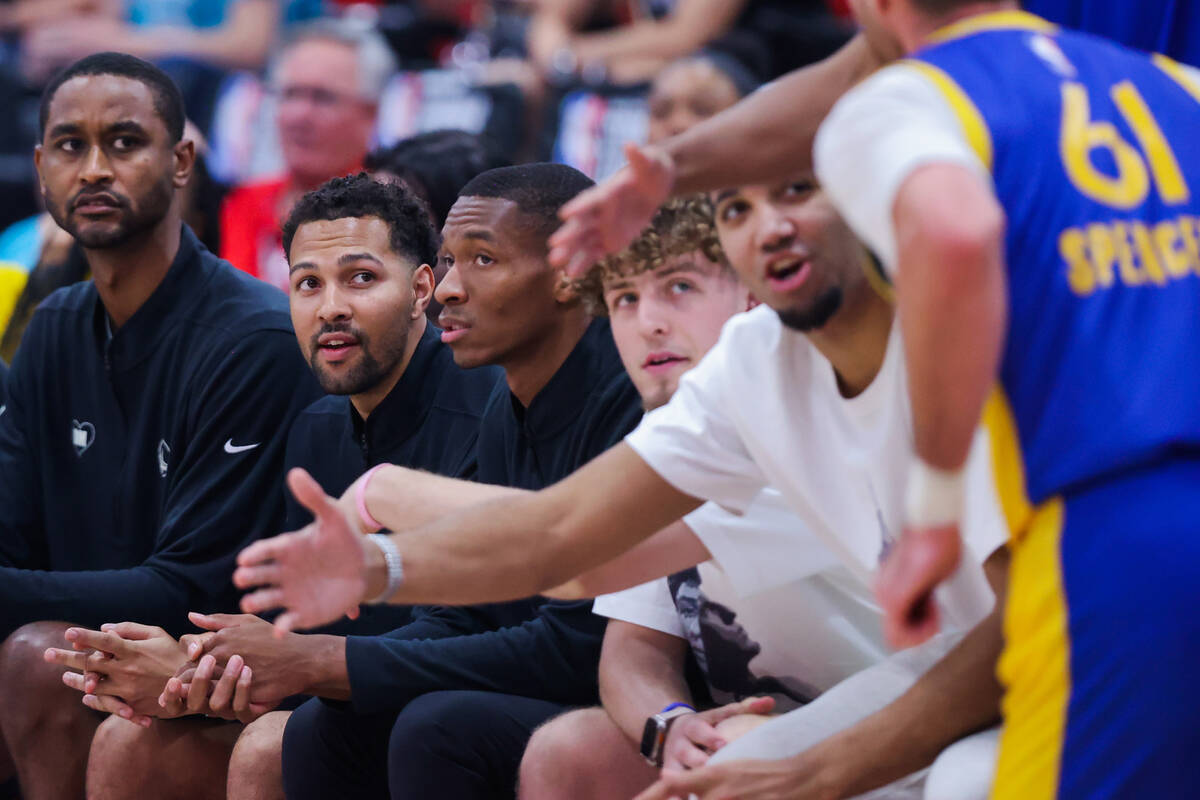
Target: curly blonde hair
<point x="682" y="225"/>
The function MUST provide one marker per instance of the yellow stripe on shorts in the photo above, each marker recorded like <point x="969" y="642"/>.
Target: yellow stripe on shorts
<point x="1035" y="665"/>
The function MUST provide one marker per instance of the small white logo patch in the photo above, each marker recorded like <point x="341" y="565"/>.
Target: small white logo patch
<point x="164" y="457"/>
<point x="232" y="448"/>
<point x="82" y="435"/>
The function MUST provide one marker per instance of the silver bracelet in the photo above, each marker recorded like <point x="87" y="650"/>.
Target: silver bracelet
<point x="395" y="567"/>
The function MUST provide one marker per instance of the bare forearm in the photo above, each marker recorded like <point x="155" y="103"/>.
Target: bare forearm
<point x="771" y="132"/>
<point x="641" y="672"/>
<point x="404" y="499"/>
<point x="672" y="549"/>
<point x="243" y="43"/>
<point x="524" y="543"/>
<point x="691" y="25"/>
<point x="326" y="656"/>
<point x="952" y="305"/>
<point x="957" y="697"/>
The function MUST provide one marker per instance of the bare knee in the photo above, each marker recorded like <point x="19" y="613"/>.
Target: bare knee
<point x="581" y="754"/>
<point x="31" y="690"/>
<point x="256" y="767"/>
<point x="22" y="654"/>
<point x="122" y="760"/>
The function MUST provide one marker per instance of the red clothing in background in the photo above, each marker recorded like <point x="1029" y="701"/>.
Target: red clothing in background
<point x="250" y="235"/>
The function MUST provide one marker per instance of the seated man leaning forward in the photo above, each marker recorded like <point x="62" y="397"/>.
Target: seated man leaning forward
<point x="444" y="705"/>
<point x="771" y="614"/>
<point x="360" y="255"/>
<point x="807" y="395"/>
<point x="143" y="436"/>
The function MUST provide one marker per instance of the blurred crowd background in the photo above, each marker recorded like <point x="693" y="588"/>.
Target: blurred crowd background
<point x="284" y="94"/>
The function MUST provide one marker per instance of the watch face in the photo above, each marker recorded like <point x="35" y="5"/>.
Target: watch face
<point x="650" y="735"/>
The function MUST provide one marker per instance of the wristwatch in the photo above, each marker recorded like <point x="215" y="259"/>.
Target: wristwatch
<point x="654" y="735"/>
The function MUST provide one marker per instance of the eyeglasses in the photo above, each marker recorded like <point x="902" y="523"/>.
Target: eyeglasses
<point x="315" y="95"/>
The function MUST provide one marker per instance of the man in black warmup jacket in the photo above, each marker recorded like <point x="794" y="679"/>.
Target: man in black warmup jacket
<point x="360" y="253"/>
<point x="444" y="706"/>
<point x="143" y="437"/>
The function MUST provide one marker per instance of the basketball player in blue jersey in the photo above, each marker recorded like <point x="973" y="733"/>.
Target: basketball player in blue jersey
<point x="770" y="132"/>
<point x="1036" y="193"/>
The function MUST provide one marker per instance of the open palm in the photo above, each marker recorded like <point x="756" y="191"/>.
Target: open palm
<point x="607" y="217"/>
<point x="315" y="575"/>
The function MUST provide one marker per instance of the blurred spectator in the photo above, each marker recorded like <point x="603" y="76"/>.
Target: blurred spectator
<point x="37" y="257"/>
<point x="693" y="89"/>
<point x="196" y="41"/>
<point x="594" y="126"/>
<point x="327" y="82"/>
<point x="772" y="36"/>
<point x="434" y="166"/>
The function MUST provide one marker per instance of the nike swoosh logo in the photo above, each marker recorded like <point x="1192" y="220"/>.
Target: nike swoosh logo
<point x="230" y="447"/>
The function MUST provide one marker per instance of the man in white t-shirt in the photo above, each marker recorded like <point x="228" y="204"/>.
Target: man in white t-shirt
<point x="771" y="613"/>
<point x="822" y="416"/>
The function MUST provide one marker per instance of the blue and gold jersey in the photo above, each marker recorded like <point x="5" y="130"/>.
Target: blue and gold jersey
<point x="1095" y="154"/>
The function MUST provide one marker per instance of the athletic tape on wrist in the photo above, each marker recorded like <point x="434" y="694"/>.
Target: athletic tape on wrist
<point x="933" y="497"/>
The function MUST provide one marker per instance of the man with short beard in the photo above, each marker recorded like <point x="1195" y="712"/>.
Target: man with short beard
<point x="806" y="394"/>
<point x="360" y="254"/>
<point x="143" y="439"/>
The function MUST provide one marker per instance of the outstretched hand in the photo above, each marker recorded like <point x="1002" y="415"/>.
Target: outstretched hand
<point x="316" y="574"/>
<point x="606" y="218"/>
<point x="923" y="558"/>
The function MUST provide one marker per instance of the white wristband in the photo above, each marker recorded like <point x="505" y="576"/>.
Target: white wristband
<point x="395" y="567"/>
<point x="932" y="497"/>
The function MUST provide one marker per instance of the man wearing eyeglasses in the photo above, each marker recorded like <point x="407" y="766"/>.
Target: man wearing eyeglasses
<point x="326" y="85"/>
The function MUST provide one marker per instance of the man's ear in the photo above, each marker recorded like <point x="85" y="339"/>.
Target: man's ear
<point x="37" y="166"/>
<point x="565" y="292"/>
<point x="185" y="162"/>
<point x="423" y="284"/>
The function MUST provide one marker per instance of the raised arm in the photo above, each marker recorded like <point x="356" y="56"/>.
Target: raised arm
<point x="504" y="549"/>
<point x="404" y="499"/>
<point x="672" y="549"/>
<point x="770" y="133"/>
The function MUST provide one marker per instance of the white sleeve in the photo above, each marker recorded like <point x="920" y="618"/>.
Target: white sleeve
<point x="694" y="443"/>
<point x="763" y="549"/>
<point x="648" y="605"/>
<point x="874" y="138"/>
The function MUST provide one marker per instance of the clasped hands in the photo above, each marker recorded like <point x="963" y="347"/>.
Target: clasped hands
<point x="140" y="672"/>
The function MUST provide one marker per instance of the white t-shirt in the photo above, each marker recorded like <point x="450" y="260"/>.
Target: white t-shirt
<point x="885" y="128"/>
<point x="763" y="409"/>
<point x="772" y="613"/>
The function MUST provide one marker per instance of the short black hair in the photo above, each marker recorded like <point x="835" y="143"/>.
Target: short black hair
<point x="437" y="164"/>
<point x="539" y="190"/>
<point x="168" y="101"/>
<point x="411" y="233"/>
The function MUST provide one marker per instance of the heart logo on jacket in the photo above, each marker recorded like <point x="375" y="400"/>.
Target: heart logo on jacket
<point x="82" y="435"/>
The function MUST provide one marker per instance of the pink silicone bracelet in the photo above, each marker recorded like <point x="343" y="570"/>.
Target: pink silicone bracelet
<point x="360" y="499"/>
